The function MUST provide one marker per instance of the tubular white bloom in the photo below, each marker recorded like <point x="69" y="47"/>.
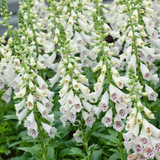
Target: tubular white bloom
<point x="77" y="104"/>
<point x="148" y="113"/>
<point x="21" y="115"/>
<point x="104" y="101"/>
<point x="47" y="103"/>
<point x="32" y="131"/>
<point x="117" y="81"/>
<point x="30" y="120"/>
<point x="145" y="72"/>
<point x="50" y="130"/>
<point x="43" y="85"/>
<point x="88" y="107"/>
<point x="70" y="98"/>
<point x="30" y="102"/>
<point x="113" y="93"/>
<point x="118" y="124"/>
<point x="75" y="84"/>
<point x="85" y="90"/>
<point x="20" y="105"/>
<point x="43" y="110"/>
<point x="107" y="119"/>
<point x="49" y="118"/>
<point x="121" y="110"/>
<point x="98" y="66"/>
<point x="7" y="95"/>
<point x="21" y="93"/>
<point x="31" y="85"/>
<point x="40" y="92"/>
<point x="89" y="119"/>
<point x="78" y="136"/>
<point x="152" y="94"/>
<point x="64" y="90"/>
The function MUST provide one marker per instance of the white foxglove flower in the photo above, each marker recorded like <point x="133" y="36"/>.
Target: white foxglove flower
<point x="30" y="102"/>
<point x="32" y="131"/>
<point x="85" y="90"/>
<point x="121" y="111"/>
<point x="47" y="103"/>
<point x="77" y="104"/>
<point x="152" y="94"/>
<point x="75" y="84"/>
<point x="30" y="120"/>
<point x="148" y="113"/>
<point x="42" y="109"/>
<point x="89" y="119"/>
<point x="145" y="72"/>
<point x="78" y="136"/>
<point x="21" y="93"/>
<point x="21" y="115"/>
<point x="40" y="92"/>
<point x="104" y="102"/>
<point x="64" y="90"/>
<point x="107" y="119"/>
<point x="118" y="124"/>
<point x="43" y="85"/>
<point x="7" y="95"/>
<point x="50" y="130"/>
<point x="20" y="105"/>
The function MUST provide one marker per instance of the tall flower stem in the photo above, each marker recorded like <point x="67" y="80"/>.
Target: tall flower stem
<point x="41" y="136"/>
<point x="120" y="145"/>
<point x="135" y="46"/>
<point x="100" y="29"/>
<point x="31" y="23"/>
<point x="85" y="143"/>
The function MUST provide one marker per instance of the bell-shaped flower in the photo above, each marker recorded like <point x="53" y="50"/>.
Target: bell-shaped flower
<point x="152" y="94"/>
<point x="32" y="131"/>
<point x="7" y="95"/>
<point x="107" y="119"/>
<point x="104" y="101"/>
<point x="42" y="84"/>
<point x="145" y="72"/>
<point x="47" y="103"/>
<point x="50" y="130"/>
<point x="77" y="104"/>
<point x="30" y="102"/>
<point x="78" y="136"/>
<point x="118" y="124"/>
<point x="20" y="105"/>
<point x="30" y="120"/>
<point x="42" y="109"/>
<point x="89" y="119"/>
<point x="21" y="93"/>
<point x="121" y="110"/>
<point x="21" y="115"/>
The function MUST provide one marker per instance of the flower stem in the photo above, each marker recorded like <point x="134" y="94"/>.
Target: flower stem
<point x="100" y="29"/>
<point x="135" y="47"/>
<point x="31" y="22"/>
<point x="41" y="138"/>
<point x="120" y="145"/>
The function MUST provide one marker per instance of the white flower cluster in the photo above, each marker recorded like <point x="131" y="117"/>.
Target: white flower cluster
<point x="67" y="37"/>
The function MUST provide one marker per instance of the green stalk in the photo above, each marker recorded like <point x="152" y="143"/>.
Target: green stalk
<point x="102" y="44"/>
<point x="85" y="143"/>
<point x="40" y="135"/>
<point x="31" y="22"/>
<point x="135" y="47"/>
<point x="120" y="145"/>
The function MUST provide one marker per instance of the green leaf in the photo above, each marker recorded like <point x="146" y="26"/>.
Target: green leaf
<point x="8" y="117"/>
<point x="96" y="155"/>
<point x="34" y="150"/>
<point x="51" y="153"/>
<point x="114" y="156"/>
